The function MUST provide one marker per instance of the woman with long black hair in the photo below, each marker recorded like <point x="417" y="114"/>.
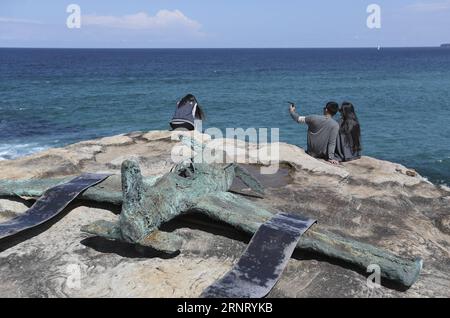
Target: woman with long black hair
<point x="188" y="114"/>
<point x="348" y="145"/>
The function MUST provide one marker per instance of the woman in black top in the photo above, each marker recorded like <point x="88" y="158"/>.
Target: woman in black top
<point x="348" y="144"/>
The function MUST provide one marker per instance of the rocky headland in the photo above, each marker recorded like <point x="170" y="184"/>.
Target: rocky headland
<point x="373" y="201"/>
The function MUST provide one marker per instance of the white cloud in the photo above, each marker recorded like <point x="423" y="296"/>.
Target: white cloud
<point x="430" y="6"/>
<point x="163" y="20"/>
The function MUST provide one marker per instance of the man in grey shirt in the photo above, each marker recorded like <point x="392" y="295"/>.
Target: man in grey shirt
<point x="322" y="132"/>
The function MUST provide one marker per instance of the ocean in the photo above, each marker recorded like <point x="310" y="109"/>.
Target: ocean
<point x="55" y="97"/>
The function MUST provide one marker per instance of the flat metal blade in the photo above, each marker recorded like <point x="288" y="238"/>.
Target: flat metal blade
<point x="50" y="204"/>
<point x="261" y="265"/>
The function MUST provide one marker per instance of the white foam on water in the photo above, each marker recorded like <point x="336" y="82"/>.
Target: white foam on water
<point x="14" y="151"/>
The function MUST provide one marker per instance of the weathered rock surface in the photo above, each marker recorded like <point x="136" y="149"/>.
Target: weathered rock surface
<point x="374" y="201"/>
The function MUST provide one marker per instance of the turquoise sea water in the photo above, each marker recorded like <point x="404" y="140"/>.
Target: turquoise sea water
<point x="53" y="97"/>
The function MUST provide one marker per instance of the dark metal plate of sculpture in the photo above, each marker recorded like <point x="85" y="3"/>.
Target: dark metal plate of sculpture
<point x="263" y="262"/>
<point x="52" y="202"/>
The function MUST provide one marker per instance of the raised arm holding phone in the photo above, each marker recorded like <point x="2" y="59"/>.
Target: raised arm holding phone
<point x="323" y="131"/>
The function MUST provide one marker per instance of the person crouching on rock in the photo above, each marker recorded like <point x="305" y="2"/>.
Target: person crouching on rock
<point x="348" y="144"/>
<point x="188" y="114"/>
<point x="322" y="132"/>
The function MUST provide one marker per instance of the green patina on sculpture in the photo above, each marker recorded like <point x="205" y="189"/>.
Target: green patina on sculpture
<point x="203" y="188"/>
<point x="146" y="205"/>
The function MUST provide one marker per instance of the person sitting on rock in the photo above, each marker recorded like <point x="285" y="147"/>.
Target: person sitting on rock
<point x="188" y="114"/>
<point x="322" y="132"/>
<point x="348" y="144"/>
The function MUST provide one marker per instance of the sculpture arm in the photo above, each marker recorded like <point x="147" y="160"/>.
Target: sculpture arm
<point x="248" y="216"/>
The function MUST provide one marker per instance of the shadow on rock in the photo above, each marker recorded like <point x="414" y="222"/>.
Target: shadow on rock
<point x="13" y="240"/>
<point x="197" y="221"/>
<point x="307" y="256"/>
<point x="123" y="249"/>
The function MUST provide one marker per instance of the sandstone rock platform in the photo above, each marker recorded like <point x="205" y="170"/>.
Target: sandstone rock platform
<point x="373" y="201"/>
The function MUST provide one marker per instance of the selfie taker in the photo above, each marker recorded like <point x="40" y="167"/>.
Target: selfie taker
<point x="322" y="131"/>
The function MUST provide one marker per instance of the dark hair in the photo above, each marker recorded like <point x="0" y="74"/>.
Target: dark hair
<point x="332" y="108"/>
<point x="350" y="125"/>
<point x="189" y="98"/>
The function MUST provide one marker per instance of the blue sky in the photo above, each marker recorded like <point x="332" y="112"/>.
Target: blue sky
<point x="223" y="23"/>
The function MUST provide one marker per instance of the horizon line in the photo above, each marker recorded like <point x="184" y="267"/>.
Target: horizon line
<point x="220" y="48"/>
